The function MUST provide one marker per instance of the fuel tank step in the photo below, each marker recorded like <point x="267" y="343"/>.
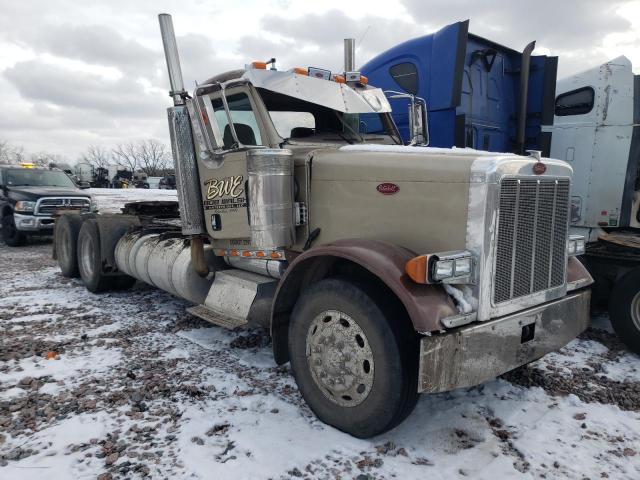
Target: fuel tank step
<point x="237" y="298"/>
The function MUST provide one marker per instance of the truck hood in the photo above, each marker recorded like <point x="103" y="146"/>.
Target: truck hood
<point x="34" y="193"/>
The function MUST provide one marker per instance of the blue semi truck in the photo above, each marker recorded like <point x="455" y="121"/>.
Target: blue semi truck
<point x="475" y="90"/>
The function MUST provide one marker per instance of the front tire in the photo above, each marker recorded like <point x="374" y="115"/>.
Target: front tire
<point x="10" y="233"/>
<point x="624" y="309"/>
<point x="354" y="359"/>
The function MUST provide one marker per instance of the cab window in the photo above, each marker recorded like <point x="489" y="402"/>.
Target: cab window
<point x="406" y="76"/>
<point x="575" y="102"/>
<point x="243" y="117"/>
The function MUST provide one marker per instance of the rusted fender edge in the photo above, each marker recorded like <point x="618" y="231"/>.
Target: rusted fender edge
<point x="426" y="305"/>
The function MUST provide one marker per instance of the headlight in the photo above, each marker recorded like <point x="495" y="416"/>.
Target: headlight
<point x="25" y="206"/>
<point x="447" y="267"/>
<point x="576" y="245"/>
<point x="94" y="205"/>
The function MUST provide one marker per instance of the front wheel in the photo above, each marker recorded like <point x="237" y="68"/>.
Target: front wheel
<point x="10" y="233"/>
<point x="624" y="309"/>
<point x="353" y="357"/>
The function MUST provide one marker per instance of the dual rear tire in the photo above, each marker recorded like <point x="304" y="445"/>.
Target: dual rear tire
<point x="79" y="252"/>
<point x="624" y="309"/>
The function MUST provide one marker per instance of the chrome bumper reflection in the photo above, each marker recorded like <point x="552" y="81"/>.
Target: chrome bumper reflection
<point x="476" y="353"/>
<point x="32" y="223"/>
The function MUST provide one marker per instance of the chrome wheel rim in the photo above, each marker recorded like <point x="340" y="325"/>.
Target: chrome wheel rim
<point x="635" y="310"/>
<point x="86" y="255"/>
<point x="340" y="358"/>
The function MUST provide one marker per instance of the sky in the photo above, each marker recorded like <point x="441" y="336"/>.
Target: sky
<point x="80" y="73"/>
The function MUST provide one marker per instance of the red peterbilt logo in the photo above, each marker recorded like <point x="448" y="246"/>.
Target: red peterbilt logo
<point x="539" y="168"/>
<point x="388" y="188"/>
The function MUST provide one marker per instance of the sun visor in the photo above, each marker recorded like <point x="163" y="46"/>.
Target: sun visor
<point x="327" y="93"/>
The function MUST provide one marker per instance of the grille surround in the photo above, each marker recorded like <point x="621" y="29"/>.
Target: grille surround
<point x="50" y="205"/>
<point x="531" y="237"/>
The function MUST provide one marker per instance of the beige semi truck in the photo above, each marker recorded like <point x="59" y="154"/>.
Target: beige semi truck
<point x="382" y="270"/>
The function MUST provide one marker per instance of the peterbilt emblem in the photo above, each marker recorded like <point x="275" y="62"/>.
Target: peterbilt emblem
<point x="388" y="188"/>
<point x="539" y="168"/>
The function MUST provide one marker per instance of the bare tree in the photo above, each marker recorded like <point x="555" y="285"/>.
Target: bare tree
<point x="44" y="159"/>
<point x="154" y="156"/>
<point x="127" y="155"/>
<point x="10" y="154"/>
<point x="96" y="156"/>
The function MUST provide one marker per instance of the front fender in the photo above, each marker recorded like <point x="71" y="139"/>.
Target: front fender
<point x="426" y="305"/>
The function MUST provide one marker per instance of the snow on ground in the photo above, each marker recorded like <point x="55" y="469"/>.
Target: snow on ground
<point x="135" y="387"/>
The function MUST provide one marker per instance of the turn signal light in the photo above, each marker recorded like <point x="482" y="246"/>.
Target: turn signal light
<point x="416" y="268"/>
<point x="300" y="71"/>
<point x="259" y="65"/>
<point x="270" y="254"/>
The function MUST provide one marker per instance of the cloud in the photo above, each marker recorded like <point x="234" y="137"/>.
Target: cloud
<point x="564" y="24"/>
<point x="96" y="44"/>
<point x="62" y="87"/>
<point x="326" y="31"/>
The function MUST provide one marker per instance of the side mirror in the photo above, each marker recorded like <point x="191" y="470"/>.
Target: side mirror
<point x="418" y="120"/>
<point x="418" y="123"/>
<point x="84" y="185"/>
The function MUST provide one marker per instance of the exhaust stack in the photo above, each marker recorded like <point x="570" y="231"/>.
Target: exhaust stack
<point x="349" y="54"/>
<point x="522" y="101"/>
<point x="182" y="147"/>
<point x="173" y="60"/>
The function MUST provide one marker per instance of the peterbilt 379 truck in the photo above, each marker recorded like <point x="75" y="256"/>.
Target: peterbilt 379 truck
<point x="382" y="270"/>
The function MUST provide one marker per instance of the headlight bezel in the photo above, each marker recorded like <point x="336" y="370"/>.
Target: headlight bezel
<point x="455" y="267"/>
<point x="25" y="206"/>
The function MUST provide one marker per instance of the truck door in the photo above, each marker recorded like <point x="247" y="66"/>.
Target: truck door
<point x="224" y="181"/>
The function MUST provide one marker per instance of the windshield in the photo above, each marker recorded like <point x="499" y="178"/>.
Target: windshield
<point x="295" y="118"/>
<point x="37" y="178"/>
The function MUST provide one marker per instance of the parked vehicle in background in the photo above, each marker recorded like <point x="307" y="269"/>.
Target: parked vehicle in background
<point x="597" y="131"/>
<point x="30" y="198"/>
<point x="168" y="182"/>
<point x="140" y="180"/>
<point x="479" y="94"/>
<point x="295" y="218"/>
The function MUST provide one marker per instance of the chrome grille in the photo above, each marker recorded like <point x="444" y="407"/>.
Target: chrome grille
<point x="531" y="237"/>
<point x="49" y="206"/>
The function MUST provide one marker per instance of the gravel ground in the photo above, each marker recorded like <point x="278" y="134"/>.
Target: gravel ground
<point x="127" y="385"/>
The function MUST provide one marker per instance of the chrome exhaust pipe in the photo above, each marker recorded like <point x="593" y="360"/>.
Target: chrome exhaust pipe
<point x="525" y="67"/>
<point x="177" y="92"/>
<point x="349" y="54"/>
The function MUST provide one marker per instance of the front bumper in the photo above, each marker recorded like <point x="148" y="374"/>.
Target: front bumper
<point x="476" y="353"/>
<point x="33" y="223"/>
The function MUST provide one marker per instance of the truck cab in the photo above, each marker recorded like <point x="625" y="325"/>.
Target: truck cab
<point x="479" y="94"/>
<point x="597" y="131"/>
